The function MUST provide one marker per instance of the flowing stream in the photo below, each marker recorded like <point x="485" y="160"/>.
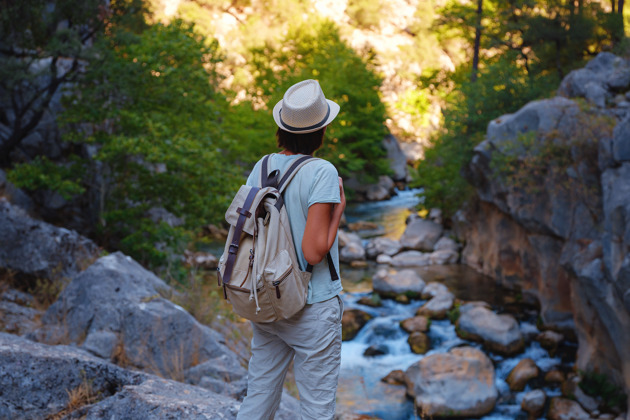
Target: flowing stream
<point x="360" y="387"/>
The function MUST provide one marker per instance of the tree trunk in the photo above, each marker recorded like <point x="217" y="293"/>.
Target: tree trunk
<point x="475" y="63"/>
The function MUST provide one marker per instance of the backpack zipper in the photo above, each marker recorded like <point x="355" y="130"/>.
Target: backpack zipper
<point x="276" y="283"/>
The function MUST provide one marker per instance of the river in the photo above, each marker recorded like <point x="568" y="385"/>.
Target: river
<point x="360" y="387"/>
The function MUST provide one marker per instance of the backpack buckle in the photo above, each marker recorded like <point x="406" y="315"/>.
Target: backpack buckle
<point x="233" y="249"/>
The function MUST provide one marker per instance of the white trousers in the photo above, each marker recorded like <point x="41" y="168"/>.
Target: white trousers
<point x="312" y="338"/>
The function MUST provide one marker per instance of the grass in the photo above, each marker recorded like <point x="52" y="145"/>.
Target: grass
<point x="78" y="397"/>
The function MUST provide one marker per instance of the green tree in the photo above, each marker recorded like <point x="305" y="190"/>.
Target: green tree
<point x="314" y="50"/>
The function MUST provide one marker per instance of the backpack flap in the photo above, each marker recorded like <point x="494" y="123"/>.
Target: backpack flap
<point x="240" y="203"/>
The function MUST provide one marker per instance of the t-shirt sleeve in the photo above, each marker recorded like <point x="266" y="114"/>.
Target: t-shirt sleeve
<point x="325" y="186"/>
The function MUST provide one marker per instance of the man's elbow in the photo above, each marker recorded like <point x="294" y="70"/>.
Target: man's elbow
<point x="314" y="257"/>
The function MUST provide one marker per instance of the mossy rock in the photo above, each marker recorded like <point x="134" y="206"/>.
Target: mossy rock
<point x="352" y="322"/>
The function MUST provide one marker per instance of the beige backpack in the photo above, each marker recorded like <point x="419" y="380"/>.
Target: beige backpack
<point x="259" y="269"/>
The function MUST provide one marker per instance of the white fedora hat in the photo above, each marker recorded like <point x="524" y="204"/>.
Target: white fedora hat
<point x="304" y="108"/>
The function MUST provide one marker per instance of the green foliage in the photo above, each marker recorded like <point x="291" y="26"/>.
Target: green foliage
<point x="43" y="174"/>
<point x="502" y="87"/>
<point x="152" y="109"/>
<point x="315" y="50"/>
<point x="417" y="104"/>
<point x="454" y="313"/>
<point x="600" y="385"/>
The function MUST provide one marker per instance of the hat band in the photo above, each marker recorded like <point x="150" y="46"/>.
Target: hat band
<point x="319" y="124"/>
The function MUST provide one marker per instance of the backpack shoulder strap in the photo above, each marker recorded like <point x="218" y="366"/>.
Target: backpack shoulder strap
<point x="293" y="169"/>
<point x="268" y="179"/>
<point x="244" y="213"/>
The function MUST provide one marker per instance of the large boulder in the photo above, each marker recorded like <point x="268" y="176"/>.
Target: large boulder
<point x="41" y="381"/>
<point x="433" y="289"/>
<point x="163" y="399"/>
<point x="36" y="379"/>
<point x="499" y="333"/>
<point x="36" y="249"/>
<point x="605" y="73"/>
<point x="382" y="246"/>
<point x="381" y="191"/>
<point x="117" y="309"/>
<point x="459" y="383"/>
<point x="438" y="306"/>
<point x="415" y="324"/>
<point x="353" y="251"/>
<point x="411" y="259"/>
<point x="391" y="283"/>
<point x="421" y="234"/>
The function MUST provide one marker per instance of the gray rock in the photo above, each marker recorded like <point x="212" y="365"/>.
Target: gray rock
<point x="382" y="245"/>
<point x="573" y="85"/>
<point x="621" y="141"/>
<point x="499" y="333"/>
<point x="533" y="402"/>
<point x="225" y="368"/>
<point x="397" y="158"/>
<point x="391" y="283"/>
<point x="619" y="79"/>
<point x="352" y="252"/>
<point x="118" y="295"/>
<point x="596" y="94"/>
<point x="344" y="238"/>
<point x="53" y="253"/>
<point x="444" y="256"/>
<point x="565" y="409"/>
<point x="522" y="373"/>
<point x="160" y="214"/>
<point x="438" y="306"/>
<point x="101" y="343"/>
<point x="16" y="318"/>
<point x="411" y="259"/>
<point x="384" y="259"/>
<point x="35" y="378"/>
<point x="433" y="289"/>
<point x="201" y="260"/>
<point x="421" y="235"/>
<point x="459" y="383"/>
<point x="435" y="215"/>
<point x="446" y="243"/>
<point x="377" y="193"/>
<point x="161" y="399"/>
<point x="14" y="195"/>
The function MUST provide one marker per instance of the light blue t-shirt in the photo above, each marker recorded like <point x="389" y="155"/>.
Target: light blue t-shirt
<point x="315" y="182"/>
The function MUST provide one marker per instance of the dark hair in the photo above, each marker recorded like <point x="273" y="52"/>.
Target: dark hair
<point x="305" y="143"/>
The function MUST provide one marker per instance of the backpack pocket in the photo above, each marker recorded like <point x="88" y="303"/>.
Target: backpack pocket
<point x="287" y="286"/>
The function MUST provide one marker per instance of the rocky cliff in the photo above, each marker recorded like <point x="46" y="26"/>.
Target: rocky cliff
<point x="552" y="210"/>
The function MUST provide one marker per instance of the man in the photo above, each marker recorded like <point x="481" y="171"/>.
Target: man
<point x="315" y="202"/>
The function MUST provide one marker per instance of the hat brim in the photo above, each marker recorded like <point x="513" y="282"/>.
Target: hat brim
<point x="334" y="110"/>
